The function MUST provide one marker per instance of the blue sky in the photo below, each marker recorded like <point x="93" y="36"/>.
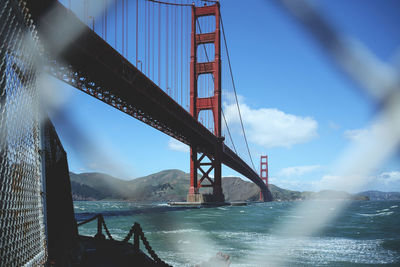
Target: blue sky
<point x="298" y="107"/>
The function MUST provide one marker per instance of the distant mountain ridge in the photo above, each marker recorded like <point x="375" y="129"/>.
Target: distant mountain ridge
<point x="173" y="185"/>
<point x="378" y="195"/>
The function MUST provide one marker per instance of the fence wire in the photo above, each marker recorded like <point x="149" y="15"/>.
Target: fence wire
<point x="22" y="231"/>
<point x="375" y="78"/>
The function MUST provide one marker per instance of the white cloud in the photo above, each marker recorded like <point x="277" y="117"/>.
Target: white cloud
<point x="298" y="170"/>
<point x="363" y="134"/>
<point x="385" y="181"/>
<point x="356" y="135"/>
<point x="389" y="177"/>
<point x="175" y="145"/>
<point x="333" y="182"/>
<point x="270" y="127"/>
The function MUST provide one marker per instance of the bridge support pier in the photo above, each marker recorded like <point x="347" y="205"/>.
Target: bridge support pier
<point x="204" y="165"/>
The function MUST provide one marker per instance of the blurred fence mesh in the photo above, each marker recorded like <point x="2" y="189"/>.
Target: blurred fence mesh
<point x="22" y="231"/>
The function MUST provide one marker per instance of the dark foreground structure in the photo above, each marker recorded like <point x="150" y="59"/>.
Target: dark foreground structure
<point x="65" y="246"/>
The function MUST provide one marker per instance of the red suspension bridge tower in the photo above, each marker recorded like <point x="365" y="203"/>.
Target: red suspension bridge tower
<point x="263" y="172"/>
<point x="206" y="163"/>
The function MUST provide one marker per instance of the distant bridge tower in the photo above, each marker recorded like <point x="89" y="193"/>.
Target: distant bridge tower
<point x="212" y="103"/>
<point x="263" y="172"/>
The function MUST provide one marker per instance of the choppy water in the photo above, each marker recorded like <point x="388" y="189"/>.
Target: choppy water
<point x="366" y="233"/>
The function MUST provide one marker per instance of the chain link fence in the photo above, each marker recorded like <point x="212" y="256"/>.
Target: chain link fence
<point x="22" y="229"/>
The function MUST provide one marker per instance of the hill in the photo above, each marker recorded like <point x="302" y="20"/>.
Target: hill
<point x="173" y="185"/>
<point x="378" y="195"/>
<point x="170" y="185"/>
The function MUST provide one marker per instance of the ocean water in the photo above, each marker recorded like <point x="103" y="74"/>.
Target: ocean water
<point x="365" y="233"/>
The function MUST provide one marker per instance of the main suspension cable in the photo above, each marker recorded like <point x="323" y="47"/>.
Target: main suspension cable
<point x="167" y="3"/>
<point x="234" y="89"/>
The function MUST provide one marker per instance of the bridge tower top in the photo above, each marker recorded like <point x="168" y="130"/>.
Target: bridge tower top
<point x="212" y="103"/>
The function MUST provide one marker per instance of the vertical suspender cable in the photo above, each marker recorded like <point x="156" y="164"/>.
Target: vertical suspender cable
<point x="115" y="23"/>
<point x="123" y="27"/>
<point x="184" y="56"/>
<point x="176" y="56"/>
<point x="181" y="72"/>
<point x="127" y="29"/>
<point x="153" y="41"/>
<point x="166" y="50"/>
<point x="172" y="52"/>
<point x="159" y="45"/>
<point x="206" y="81"/>
<point x="188" y="56"/>
<point x="148" y="40"/>
<point x="145" y="36"/>
<point x="137" y="32"/>
<point x="105" y="19"/>
<point x="102" y="21"/>
<point x="171" y="42"/>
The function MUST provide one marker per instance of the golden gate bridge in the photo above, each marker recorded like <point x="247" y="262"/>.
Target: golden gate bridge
<point x="162" y="63"/>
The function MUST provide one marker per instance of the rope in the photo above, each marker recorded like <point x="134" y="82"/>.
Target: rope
<point x="234" y="89"/>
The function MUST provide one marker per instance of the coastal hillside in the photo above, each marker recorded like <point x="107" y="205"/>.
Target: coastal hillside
<point x="378" y="195"/>
<point x="170" y="185"/>
<point x="173" y="185"/>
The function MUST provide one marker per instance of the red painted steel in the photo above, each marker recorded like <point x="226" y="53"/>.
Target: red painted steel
<point x="263" y="172"/>
<point x="212" y="103"/>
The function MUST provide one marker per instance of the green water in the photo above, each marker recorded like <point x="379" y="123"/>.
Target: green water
<point x="365" y="233"/>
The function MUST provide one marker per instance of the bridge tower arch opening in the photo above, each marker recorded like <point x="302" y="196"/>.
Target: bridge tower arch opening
<point x="204" y="163"/>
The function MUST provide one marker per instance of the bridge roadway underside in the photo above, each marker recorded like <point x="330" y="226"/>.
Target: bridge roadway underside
<point x="90" y="64"/>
